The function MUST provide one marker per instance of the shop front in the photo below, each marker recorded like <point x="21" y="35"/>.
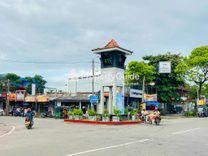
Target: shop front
<point x="42" y="103"/>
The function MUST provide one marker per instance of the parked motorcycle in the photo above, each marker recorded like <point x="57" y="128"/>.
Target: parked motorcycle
<point x="46" y="114"/>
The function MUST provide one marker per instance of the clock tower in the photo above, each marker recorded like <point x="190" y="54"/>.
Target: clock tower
<point x="112" y="58"/>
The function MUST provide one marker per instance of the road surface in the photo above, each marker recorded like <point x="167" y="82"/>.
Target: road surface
<point x="50" y="137"/>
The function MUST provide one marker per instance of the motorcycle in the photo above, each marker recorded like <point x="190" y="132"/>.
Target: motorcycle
<point x="28" y="123"/>
<point x="46" y="114"/>
<point x="157" y="120"/>
<point x="154" y="119"/>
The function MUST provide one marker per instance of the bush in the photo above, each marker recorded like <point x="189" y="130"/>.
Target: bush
<point x="126" y="111"/>
<point x="70" y="113"/>
<point x="91" y="112"/>
<point x="134" y="112"/>
<point x="189" y="114"/>
<point x="117" y="112"/>
<point x="78" y="112"/>
<point x="106" y="113"/>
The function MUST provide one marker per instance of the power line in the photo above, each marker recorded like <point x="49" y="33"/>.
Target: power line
<point x="44" y="62"/>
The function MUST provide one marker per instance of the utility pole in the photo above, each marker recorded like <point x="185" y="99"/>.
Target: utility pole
<point x="93" y="76"/>
<point x="7" y="99"/>
<point x="143" y="89"/>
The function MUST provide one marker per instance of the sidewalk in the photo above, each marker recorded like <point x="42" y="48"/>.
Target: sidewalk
<point x="173" y="116"/>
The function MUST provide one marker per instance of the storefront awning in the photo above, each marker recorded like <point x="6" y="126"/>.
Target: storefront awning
<point x="42" y="98"/>
<point x="30" y="99"/>
<point x="152" y="103"/>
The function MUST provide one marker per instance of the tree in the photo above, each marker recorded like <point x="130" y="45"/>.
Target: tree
<point x="195" y="67"/>
<point x="167" y="84"/>
<point x="40" y="83"/>
<point x="15" y="80"/>
<point x="136" y="69"/>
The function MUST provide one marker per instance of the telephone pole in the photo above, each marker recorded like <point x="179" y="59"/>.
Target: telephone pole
<point x="143" y="89"/>
<point x="7" y="97"/>
<point x="93" y="76"/>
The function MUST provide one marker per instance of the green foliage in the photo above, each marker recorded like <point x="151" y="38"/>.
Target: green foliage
<point x="126" y="111"/>
<point x="195" y="67"/>
<point x="189" y="114"/>
<point x="106" y="113"/>
<point x="16" y="81"/>
<point x="77" y="112"/>
<point x="167" y="84"/>
<point x="117" y="112"/>
<point x="40" y="83"/>
<point x="70" y="113"/>
<point x="140" y="69"/>
<point x="134" y="112"/>
<point x="91" y="112"/>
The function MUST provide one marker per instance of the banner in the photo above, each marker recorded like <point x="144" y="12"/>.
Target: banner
<point x="120" y="102"/>
<point x="150" y="97"/>
<point x="33" y="89"/>
<point x="20" y="95"/>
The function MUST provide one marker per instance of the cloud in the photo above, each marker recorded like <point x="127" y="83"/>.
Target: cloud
<point x="66" y="30"/>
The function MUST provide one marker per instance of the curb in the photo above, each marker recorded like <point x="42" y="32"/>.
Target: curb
<point x="103" y="123"/>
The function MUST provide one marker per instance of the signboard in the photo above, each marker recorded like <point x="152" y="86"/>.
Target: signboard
<point x="120" y="102"/>
<point x="165" y="67"/>
<point x="12" y="96"/>
<point x="20" y="95"/>
<point x="42" y="98"/>
<point x="94" y="99"/>
<point x="30" y="99"/>
<point x="135" y="93"/>
<point x="33" y="89"/>
<point x="201" y="102"/>
<point x="150" y="97"/>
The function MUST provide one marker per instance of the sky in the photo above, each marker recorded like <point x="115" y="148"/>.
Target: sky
<point x="47" y="32"/>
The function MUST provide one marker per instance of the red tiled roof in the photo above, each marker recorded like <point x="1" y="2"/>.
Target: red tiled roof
<point x="112" y="44"/>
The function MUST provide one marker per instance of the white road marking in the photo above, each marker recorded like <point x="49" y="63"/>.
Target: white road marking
<point x="185" y="131"/>
<point x="8" y="133"/>
<point x="108" y="147"/>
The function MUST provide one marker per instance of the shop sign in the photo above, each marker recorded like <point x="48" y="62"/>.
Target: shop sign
<point x="201" y="102"/>
<point x="42" y="98"/>
<point x="12" y="97"/>
<point x="165" y="67"/>
<point x="94" y="99"/>
<point x="30" y="99"/>
<point x="135" y="93"/>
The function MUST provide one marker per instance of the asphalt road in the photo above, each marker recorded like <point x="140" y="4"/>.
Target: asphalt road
<point x="50" y="137"/>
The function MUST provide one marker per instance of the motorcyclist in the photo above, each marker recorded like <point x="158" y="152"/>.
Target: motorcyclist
<point x="156" y="112"/>
<point x="29" y="115"/>
<point x="144" y="114"/>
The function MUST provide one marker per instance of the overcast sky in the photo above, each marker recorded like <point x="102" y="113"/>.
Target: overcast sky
<point x="67" y="30"/>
